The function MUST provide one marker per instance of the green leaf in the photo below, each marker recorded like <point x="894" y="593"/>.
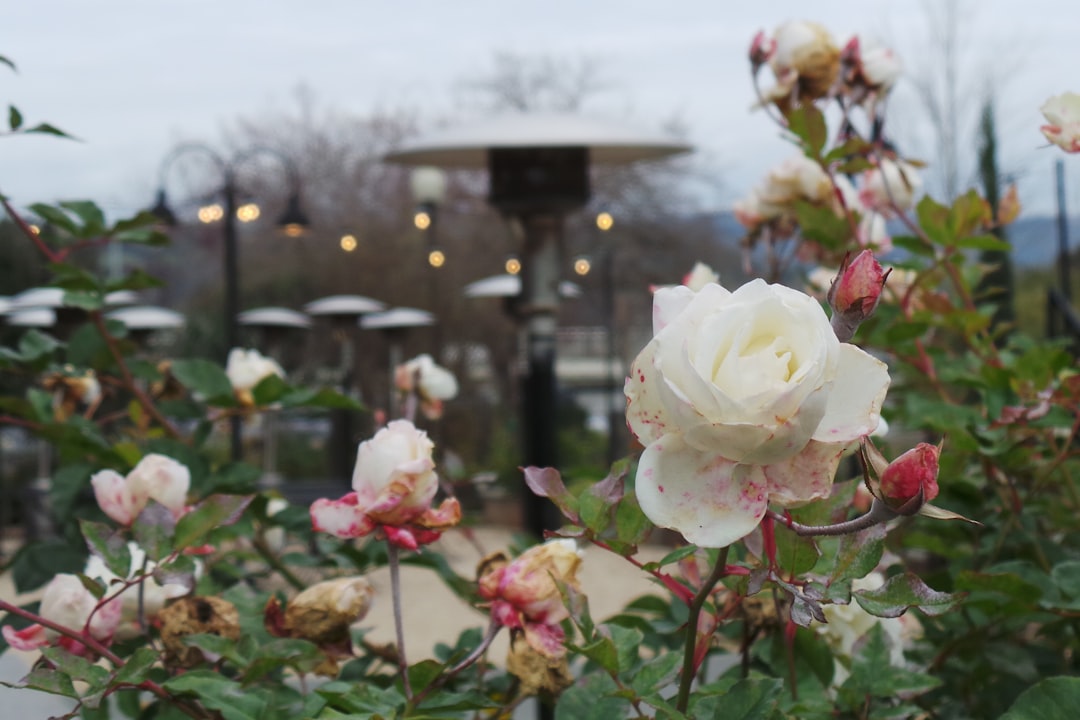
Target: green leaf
<point x="153" y="530"/>
<point x="873" y="674"/>
<point x="75" y="667"/>
<point x="300" y="655"/>
<point x="749" y="699"/>
<point x="108" y="544"/>
<point x="603" y="652"/>
<point x="808" y="124"/>
<point x="213" y="512"/>
<point x="136" y="667"/>
<point x="37" y="563"/>
<point x="822" y="225"/>
<point x="35" y="344"/>
<point x="47" y="129"/>
<point x="1055" y="698"/>
<point x="901" y="592"/>
<point x="934" y="219"/>
<point x="93" y="219"/>
<point x="672" y="557"/>
<point x="591" y="698"/>
<point x="1066" y="576"/>
<point x="859" y="554"/>
<point x="914" y="245"/>
<point x="269" y="389"/>
<point x="627" y="643"/>
<point x="46" y="680"/>
<point x="56" y="217"/>
<point x="14" y="117"/>
<point x="217" y="645"/>
<point x="984" y="242"/>
<point x="320" y="398"/>
<point x="795" y="553"/>
<point x="203" y="377"/>
<point x="219" y="693"/>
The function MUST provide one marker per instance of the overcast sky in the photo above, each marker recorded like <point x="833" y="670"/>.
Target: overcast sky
<point x="131" y="79"/>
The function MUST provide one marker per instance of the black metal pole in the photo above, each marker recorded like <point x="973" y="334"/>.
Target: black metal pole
<point x="1063" y="234"/>
<point x="541" y="264"/>
<point x="614" y="413"/>
<point x="232" y="300"/>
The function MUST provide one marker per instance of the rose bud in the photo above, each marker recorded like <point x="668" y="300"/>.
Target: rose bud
<point x="910" y="481"/>
<point x="855" y="292"/>
<point x="324" y="612"/>
<point x="761" y="49"/>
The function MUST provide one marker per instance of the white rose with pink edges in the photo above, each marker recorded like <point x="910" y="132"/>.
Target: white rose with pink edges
<point x="743" y="399"/>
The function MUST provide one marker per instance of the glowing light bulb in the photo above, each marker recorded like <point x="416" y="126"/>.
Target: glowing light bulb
<point x="211" y="213"/>
<point x="248" y="212"/>
<point x="436" y="258"/>
<point x="513" y="266"/>
<point x="604" y="221"/>
<point x="348" y="243"/>
<point x="422" y="220"/>
<point x="582" y="266"/>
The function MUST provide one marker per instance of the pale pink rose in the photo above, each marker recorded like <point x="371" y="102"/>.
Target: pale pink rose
<point x="524" y="593"/>
<point x="68" y="603"/>
<point x="156" y="477"/>
<point x="743" y="399"/>
<point x="894" y="183"/>
<point x="1062" y="113"/>
<point x="394" y="483"/>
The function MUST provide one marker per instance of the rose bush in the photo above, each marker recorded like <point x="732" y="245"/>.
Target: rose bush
<point x="743" y="399"/>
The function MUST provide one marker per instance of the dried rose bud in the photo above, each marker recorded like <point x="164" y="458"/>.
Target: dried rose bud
<point x="324" y="612"/>
<point x="195" y="616"/>
<point x="910" y="481"/>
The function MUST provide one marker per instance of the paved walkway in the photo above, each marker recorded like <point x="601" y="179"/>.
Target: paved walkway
<point x="432" y="612"/>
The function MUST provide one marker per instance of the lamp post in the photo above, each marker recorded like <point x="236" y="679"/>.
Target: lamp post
<point x="538" y="170"/>
<point x="293" y="222"/>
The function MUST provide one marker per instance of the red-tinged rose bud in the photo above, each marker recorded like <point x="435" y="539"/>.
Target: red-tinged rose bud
<point x="910" y="480"/>
<point x="761" y="49"/>
<point x="855" y="293"/>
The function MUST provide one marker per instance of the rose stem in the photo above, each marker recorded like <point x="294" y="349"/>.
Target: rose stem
<point x="399" y="625"/>
<point x="687" y="676"/>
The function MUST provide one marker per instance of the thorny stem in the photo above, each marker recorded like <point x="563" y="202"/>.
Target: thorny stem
<point x="687" y="674"/>
<point x="493" y="629"/>
<point x="879" y="512"/>
<point x="51" y="255"/>
<point x="399" y="625"/>
<point x="679" y="589"/>
<point x="192" y="711"/>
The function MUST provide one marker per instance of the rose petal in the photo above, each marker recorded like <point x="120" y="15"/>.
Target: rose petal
<point x="446" y="515"/>
<point x="805" y="477"/>
<point x="29" y="638"/>
<point x="854" y="405"/>
<point x="710" y="500"/>
<point x="545" y="639"/>
<point x="342" y="518"/>
<point x="647" y="400"/>
<point x="668" y="302"/>
<point x="114" y="497"/>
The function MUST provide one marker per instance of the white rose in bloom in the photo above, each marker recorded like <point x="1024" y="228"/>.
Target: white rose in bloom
<point x="156" y="477"/>
<point x="246" y="368"/>
<point x="892" y="182"/>
<point x="66" y="602"/>
<point x="1062" y="114"/>
<point x="880" y="66"/>
<point x="743" y="399"/>
<point x="154" y="594"/>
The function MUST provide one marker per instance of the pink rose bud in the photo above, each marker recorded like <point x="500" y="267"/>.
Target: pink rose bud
<point x="855" y="292"/>
<point x="761" y="49"/>
<point x="912" y="477"/>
